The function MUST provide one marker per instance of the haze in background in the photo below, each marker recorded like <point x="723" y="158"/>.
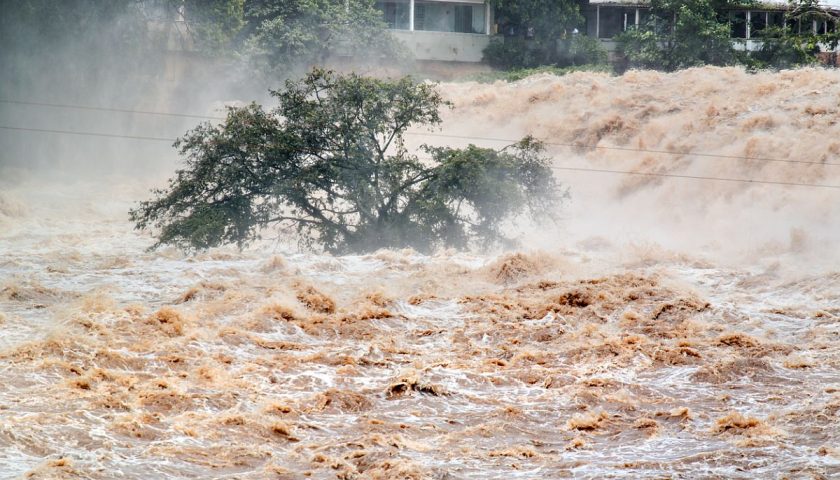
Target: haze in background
<point x="784" y="123"/>
<point x="130" y="56"/>
<point x="96" y="60"/>
<point x="670" y="326"/>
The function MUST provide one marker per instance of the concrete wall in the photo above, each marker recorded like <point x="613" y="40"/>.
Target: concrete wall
<point x="444" y="46"/>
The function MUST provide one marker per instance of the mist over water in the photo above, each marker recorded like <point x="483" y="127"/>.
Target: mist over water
<point x="789" y="116"/>
<point x="663" y="326"/>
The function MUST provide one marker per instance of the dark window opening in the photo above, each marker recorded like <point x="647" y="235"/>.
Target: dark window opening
<point x="644" y="16"/>
<point x="792" y="25"/>
<point x="395" y="14"/>
<point x="758" y="22"/>
<point x="463" y="19"/>
<point x="450" y="17"/>
<point x="775" y="23"/>
<point x="738" y="24"/>
<point x="775" y="19"/>
<point x="419" y="16"/>
<point x="614" y="21"/>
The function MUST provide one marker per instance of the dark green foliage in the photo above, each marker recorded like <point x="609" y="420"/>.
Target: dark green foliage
<point x="329" y="163"/>
<point x="581" y="50"/>
<point x="274" y="37"/>
<point x="510" y="53"/>
<point x="514" y="53"/>
<point x="285" y="37"/>
<point x="680" y="34"/>
<point x="282" y="36"/>
<point x="214" y="24"/>
<point x="538" y="33"/>
<point x="782" y="49"/>
<point x="519" y="74"/>
<point x="791" y="46"/>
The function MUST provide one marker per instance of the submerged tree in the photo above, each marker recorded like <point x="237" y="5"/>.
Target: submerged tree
<point x="330" y="164"/>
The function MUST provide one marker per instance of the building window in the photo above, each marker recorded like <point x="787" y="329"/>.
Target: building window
<point x="758" y="22"/>
<point x="776" y="19"/>
<point x="396" y="14"/>
<point x="644" y="16"/>
<point x="615" y="21"/>
<point x="463" y="18"/>
<point x="792" y="25"/>
<point x="774" y="27"/>
<point x="738" y="24"/>
<point x="449" y="17"/>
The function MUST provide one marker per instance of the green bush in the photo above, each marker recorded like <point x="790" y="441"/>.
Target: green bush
<point x="537" y="25"/>
<point x="581" y="50"/>
<point x="520" y="73"/>
<point x="509" y="53"/>
<point x="513" y="53"/>
<point x="679" y="34"/>
<point x="780" y="49"/>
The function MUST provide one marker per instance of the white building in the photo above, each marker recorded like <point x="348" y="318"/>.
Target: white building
<point x="441" y="30"/>
<point x="458" y="31"/>
<point x="605" y="19"/>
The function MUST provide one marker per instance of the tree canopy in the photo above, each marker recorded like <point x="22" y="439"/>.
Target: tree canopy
<point x="213" y="24"/>
<point x="537" y="33"/>
<point x="280" y="35"/>
<point x="688" y="33"/>
<point x="329" y="164"/>
<point x="275" y="37"/>
<point x="681" y="34"/>
<point x="795" y="43"/>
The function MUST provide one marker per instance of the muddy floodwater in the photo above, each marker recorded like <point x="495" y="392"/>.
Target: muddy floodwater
<point x="606" y="347"/>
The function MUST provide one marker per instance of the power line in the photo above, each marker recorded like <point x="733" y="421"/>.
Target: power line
<point x="106" y="109"/>
<point x="442" y="135"/>
<point x="577" y="169"/>
<point x="695" y="177"/>
<point x="690" y="177"/>
<point x="88" y="134"/>
<point x="627" y="149"/>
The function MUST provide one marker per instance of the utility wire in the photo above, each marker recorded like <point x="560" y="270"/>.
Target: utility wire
<point x="89" y="134"/>
<point x="442" y="135"/>
<point x="576" y="169"/>
<point x="677" y="175"/>
<point x="105" y="109"/>
<point x="695" y="177"/>
<point x="627" y="149"/>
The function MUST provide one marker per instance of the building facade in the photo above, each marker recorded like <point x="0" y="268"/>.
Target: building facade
<point x="458" y="31"/>
<point x="441" y="30"/>
<point x="605" y="19"/>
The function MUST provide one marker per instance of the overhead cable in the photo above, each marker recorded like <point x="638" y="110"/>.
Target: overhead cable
<point x="463" y="137"/>
<point x="578" y="169"/>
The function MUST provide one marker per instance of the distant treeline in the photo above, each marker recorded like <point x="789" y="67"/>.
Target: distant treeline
<point x="82" y="41"/>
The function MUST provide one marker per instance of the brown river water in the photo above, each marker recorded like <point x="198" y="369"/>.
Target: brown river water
<point x="663" y="328"/>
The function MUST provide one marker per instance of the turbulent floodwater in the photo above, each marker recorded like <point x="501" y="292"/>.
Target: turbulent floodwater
<point x="666" y="328"/>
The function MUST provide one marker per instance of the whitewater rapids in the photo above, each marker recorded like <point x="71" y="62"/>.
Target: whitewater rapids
<point x="664" y="328"/>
